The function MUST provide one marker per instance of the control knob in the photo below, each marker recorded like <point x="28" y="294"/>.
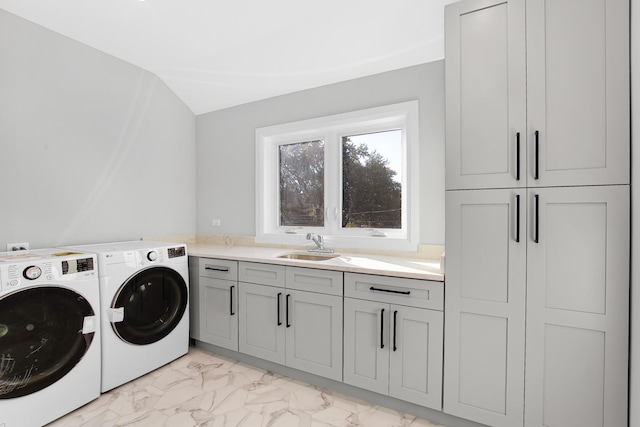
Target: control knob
<point x="152" y="256"/>
<point x="32" y="272"/>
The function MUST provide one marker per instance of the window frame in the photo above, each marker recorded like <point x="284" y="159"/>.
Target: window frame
<point x="331" y="129"/>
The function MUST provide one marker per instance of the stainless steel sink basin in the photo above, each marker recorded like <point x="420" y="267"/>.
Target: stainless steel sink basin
<point x="308" y="256"/>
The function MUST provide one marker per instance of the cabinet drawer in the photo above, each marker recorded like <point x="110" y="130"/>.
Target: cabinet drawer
<point x="395" y="290"/>
<point x="309" y="279"/>
<point x="218" y="268"/>
<point x="263" y="274"/>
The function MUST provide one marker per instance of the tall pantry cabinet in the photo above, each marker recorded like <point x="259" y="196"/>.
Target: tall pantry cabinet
<point x="537" y="205"/>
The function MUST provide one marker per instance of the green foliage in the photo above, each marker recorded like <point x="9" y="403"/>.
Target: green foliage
<point x="371" y="198"/>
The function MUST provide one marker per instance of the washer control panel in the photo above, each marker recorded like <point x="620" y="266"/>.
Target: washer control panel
<point x="176" y="252"/>
<point x="39" y="271"/>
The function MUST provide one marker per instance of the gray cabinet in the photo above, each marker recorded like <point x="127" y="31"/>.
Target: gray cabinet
<point x="578" y="92"/>
<point x="214" y="318"/>
<point x="486" y="94"/>
<point x="537" y="240"/>
<point x="486" y="236"/>
<point x="577" y="307"/>
<point x="566" y="250"/>
<point x="283" y="321"/>
<point x="261" y="322"/>
<point x="537" y="93"/>
<point x="392" y="343"/>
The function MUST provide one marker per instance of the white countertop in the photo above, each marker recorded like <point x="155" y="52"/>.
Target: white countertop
<point x="426" y="269"/>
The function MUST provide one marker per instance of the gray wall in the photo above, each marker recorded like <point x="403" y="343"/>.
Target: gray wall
<point x="226" y="144"/>
<point x="91" y="148"/>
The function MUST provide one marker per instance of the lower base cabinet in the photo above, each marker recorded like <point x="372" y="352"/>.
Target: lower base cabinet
<point x="299" y="329"/>
<point x="218" y="306"/>
<point x="389" y="348"/>
<point x="379" y="333"/>
<point x="213" y="301"/>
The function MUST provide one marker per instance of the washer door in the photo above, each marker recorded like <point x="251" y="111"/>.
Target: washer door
<point x="154" y="301"/>
<point x="41" y="338"/>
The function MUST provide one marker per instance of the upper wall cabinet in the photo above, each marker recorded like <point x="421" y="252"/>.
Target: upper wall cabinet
<point x="537" y="93"/>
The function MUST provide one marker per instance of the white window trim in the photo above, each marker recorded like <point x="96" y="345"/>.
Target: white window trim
<point x="403" y="115"/>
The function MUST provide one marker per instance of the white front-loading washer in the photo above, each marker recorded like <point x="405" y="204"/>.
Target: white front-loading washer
<point x="49" y="335"/>
<point x="144" y="299"/>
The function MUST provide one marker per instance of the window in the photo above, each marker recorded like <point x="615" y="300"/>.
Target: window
<point x="351" y="177"/>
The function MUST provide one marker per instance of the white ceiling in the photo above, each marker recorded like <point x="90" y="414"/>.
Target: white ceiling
<point x="215" y="54"/>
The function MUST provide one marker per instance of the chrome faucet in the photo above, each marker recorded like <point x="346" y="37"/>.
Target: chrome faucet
<point x="319" y="241"/>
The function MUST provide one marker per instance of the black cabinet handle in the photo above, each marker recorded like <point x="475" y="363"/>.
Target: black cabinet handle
<point x="517" y="156"/>
<point x="287" y="311"/>
<point x="382" y="328"/>
<point x="537" y="156"/>
<point x="536" y="231"/>
<point x="279" y="321"/>
<point x="208" y="267"/>
<point x="390" y="290"/>
<point x="517" y="218"/>
<point x="231" y="301"/>
<point x="395" y="322"/>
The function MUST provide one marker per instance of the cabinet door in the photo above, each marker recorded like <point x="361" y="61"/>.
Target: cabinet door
<point x="314" y="333"/>
<point x="485" y="306"/>
<point x="218" y="312"/>
<point x="366" y="344"/>
<point x="415" y="365"/>
<point x="261" y="321"/>
<point x="486" y="94"/>
<point x="577" y="307"/>
<point x="578" y="91"/>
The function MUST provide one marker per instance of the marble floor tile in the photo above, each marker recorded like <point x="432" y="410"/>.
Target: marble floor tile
<point x="206" y="390"/>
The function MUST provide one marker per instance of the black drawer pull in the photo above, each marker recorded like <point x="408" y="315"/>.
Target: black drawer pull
<point x="518" y="156"/>
<point x="395" y="323"/>
<point x="287" y="311"/>
<point x="517" y="218"/>
<point x="390" y="291"/>
<point x="208" y="267"/>
<point x="537" y="156"/>
<point x="382" y="328"/>
<point x="536" y="231"/>
<point x="231" y="301"/>
<point x="278" y="309"/>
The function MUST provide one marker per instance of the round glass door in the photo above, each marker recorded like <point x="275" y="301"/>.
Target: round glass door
<point x="154" y="302"/>
<point x="41" y="338"/>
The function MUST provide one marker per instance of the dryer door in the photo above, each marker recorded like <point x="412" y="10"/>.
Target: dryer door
<point x="41" y="338"/>
<point x="154" y="301"/>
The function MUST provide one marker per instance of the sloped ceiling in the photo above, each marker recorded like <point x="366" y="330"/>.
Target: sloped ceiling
<point x="215" y="54"/>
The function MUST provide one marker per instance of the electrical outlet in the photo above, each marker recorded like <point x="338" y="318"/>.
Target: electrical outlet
<point x="215" y="222"/>
<point x="17" y="246"/>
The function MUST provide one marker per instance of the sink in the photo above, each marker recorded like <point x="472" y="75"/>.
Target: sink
<point x="308" y="256"/>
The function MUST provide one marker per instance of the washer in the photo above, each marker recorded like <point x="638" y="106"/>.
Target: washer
<point x="144" y="300"/>
<point x="49" y="335"/>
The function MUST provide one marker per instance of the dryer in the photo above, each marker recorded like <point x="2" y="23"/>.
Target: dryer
<point x="49" y="335"/>
<point x="144" y="299"/>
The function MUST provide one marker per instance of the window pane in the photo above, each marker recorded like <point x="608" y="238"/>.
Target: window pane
<point x="302" y="184"/>
<point x="371" y="180"/>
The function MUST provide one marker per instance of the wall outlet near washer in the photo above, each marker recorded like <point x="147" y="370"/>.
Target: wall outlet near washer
<point x="17" y="246"/>
<point x="215" y="222"/>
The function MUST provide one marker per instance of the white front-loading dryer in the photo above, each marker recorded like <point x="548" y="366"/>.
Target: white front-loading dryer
<point x="49" y="335"/>
<point x="144" y="299"/>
